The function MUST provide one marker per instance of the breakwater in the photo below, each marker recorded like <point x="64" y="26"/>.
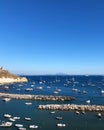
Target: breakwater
<point x="36" y="97"/>
<point x="72" y="107"/>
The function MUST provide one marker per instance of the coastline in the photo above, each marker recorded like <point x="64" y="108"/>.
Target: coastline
<point x="7" y="80"/>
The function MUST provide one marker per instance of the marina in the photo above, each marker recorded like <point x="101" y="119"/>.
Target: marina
<point x="84" y="112"/>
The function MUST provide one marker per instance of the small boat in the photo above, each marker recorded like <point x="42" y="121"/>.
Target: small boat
<point x="7" y="115"/>
<point x="52" y="112"/>
<point x="16" y="118"/>
<point x="19" y="125"/>
<point x="84" y="92"/>
<point x="29" y="89"/>
<point x="88" y="101"/>
<point x="6" y="124"/>
<point x="56" y="92"/>
<point x="77" y="112"/>
<point x="11" y="119"/>
<point x="21" y="128"/>
<point x="102" y="91"/>
<point x="6" y="99"/>
<point x="59" y="117"/>
<point x="99" y="115"/>
<point x="61" y="125"/>
<point x="28" y="103"/>
<point x="33" y="126"/>
<point x="27" y="119"/>
<point x="83" y="112"/>
<point x="40" y="88"/>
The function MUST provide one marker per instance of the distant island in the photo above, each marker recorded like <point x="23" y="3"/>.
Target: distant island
<point x="7" y="77"/>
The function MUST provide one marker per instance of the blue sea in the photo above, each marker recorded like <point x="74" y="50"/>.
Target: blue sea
<point x="83" y="88"/>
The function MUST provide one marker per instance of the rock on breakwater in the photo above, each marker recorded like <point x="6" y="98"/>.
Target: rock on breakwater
<point x="72" y="107"/>
<point x="36" y="97"/>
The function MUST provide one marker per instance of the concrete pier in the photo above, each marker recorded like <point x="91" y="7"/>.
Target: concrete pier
<point x="72" y="107"/>
<point x="36" y="97"/>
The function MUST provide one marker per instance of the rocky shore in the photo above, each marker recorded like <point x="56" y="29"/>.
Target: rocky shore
<point x="72" y="107"/>
<point x="36" y="97"/>
<point x="6" y="77"/>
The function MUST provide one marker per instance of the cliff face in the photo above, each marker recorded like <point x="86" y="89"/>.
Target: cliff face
<point x="7" y="77"/>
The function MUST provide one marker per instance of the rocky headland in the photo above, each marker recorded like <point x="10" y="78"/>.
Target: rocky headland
<point x="6" y="77"/>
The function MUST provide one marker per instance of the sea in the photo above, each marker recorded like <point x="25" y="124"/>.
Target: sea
<point x="82" y="87"/>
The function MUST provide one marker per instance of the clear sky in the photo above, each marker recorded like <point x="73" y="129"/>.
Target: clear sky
<point x="52" y="36"/>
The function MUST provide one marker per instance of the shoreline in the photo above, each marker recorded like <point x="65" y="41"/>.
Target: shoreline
<point x="4" y="80"/>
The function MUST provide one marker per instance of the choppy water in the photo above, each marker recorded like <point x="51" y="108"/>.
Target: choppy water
<point x="92" y="85"/>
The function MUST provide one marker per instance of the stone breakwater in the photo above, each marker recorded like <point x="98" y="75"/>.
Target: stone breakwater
<point x="36" y="97"/>
<point x="72" y="107"/>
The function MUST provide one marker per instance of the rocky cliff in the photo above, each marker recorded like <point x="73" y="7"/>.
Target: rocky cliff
<point x="7" y="77"/>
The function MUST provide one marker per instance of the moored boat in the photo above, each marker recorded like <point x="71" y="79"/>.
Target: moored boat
<point x="33" y="126"/>
<point x="61" y="125"/>
<point x="6" y="124"/>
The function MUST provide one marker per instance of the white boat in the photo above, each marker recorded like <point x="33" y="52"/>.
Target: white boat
<point x="6" y="124"/>
<point x="52" y="112"/>
<point x="27" y="119"/>
<point x="6" y="99"/>
<point x="19" y="125"/>
<point x="99" y="115"/>
<point x="56" y="92"/>
<point x="77" y="112"/>
<point x="59" y="117"/>
<point x="88" y="101"/>
<point x="33" y="126"/>
<point x="11" y="119"/>
<point x="29" y="89"/>
<point x="16" y="118"/>
<point x="7" y="115"/>
<point x="40" y="88"/>
<point x="28" y="103"/>
<point x="61" y="125"/>
<point x="102" y="91"/>
<point x="22" y="128"/>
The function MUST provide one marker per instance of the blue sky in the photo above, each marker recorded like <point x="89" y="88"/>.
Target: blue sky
<point x="52" y="36"/>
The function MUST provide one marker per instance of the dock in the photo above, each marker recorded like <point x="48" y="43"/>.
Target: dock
<point x="36" y="97"/>
<point x="72" y="107"/>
